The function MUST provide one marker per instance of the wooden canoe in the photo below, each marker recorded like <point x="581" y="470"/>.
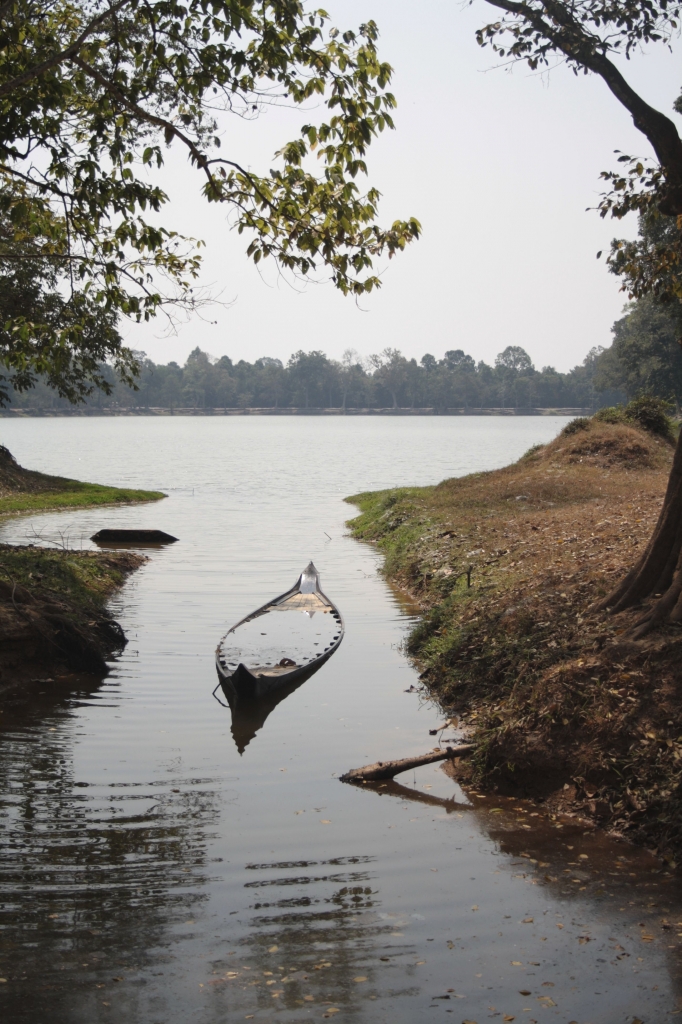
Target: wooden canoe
<point x="290" y="637"/>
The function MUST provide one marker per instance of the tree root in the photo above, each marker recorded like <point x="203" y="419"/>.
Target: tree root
<point x="666" y="609"/>
<point x="658" y="573"/>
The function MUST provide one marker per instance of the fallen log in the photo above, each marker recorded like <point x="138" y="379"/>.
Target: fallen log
<point x="387" y="769"/>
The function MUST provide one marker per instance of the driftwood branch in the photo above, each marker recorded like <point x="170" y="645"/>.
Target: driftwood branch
<point x="387" y="769"/>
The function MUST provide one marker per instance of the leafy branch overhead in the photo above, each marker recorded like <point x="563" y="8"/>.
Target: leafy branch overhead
<point x="592" y="37"/>
<point x="92" y="94"/>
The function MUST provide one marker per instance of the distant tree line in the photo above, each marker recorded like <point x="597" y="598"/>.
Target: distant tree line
<point x="311" y="380"/>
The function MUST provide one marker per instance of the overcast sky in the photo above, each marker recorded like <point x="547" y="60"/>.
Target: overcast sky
<point x="499" y="167"/>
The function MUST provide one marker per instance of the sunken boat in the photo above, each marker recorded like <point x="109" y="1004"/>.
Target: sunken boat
<point x="284" y="642"/>
<point x="145" y="538"/>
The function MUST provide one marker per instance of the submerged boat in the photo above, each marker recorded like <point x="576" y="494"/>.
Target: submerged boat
<point x="285" y="641"/>
<point x="147" y="538"/>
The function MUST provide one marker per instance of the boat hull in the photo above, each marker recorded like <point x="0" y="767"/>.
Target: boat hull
<point x="243" y="684"/>
<point x="286" y="640"/>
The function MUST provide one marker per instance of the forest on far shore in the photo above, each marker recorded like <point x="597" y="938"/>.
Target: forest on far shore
<point x="310" y="380"/>
<point x="645" y="357"/>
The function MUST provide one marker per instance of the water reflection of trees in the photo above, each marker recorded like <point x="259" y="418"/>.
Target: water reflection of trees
<point x="93" y="876"/>
<point x="102" y="875"/>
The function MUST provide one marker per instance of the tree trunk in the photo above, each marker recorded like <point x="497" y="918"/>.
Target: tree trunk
<point x="658" y="573"/>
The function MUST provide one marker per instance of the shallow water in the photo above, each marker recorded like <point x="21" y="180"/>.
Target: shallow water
<point x="150" y="873"/>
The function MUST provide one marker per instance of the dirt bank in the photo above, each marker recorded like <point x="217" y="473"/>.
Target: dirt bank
<point x="564" y="709"/>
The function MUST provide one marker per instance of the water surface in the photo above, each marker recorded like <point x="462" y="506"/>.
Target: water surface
<point x="151" y="873"/>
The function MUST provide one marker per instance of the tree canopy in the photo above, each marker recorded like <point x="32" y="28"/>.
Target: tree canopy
<point x="34" y="311"/>
<point x="92" y="95"/>
<point x="646" y="357"/>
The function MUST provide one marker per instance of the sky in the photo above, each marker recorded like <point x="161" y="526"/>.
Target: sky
<point x="498" y="164"/>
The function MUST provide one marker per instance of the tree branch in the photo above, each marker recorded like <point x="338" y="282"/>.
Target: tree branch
<point x="199" y="157"/>
<point x="145" y="115"/>
<point x="578" y="45"/>
<point x="63" y="55"/>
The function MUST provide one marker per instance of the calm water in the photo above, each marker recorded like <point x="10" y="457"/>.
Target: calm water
<point x="152" y="874"/>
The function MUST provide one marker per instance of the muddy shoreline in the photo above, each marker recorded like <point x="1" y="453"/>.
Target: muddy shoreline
<point x="53" y="618"/>
<point x="564" y="709"/>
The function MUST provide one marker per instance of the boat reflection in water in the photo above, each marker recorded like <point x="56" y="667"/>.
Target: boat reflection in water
<point x="272" y="652"/>
<point x="249" y="713"/>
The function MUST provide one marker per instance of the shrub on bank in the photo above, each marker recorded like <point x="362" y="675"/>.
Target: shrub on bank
<point x="650" y="413"/>
<point x="581" y="423"/>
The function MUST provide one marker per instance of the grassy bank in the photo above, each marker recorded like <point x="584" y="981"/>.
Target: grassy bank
<point x="85" y="578"/>
<point x="22" y="490"/>
<point x="563" y="709"/>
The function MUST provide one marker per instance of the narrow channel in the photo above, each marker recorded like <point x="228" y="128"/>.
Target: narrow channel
<point x="151" y="872"/>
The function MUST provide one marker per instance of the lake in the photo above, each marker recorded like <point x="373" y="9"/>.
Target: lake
<point x="150" y="872"/>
